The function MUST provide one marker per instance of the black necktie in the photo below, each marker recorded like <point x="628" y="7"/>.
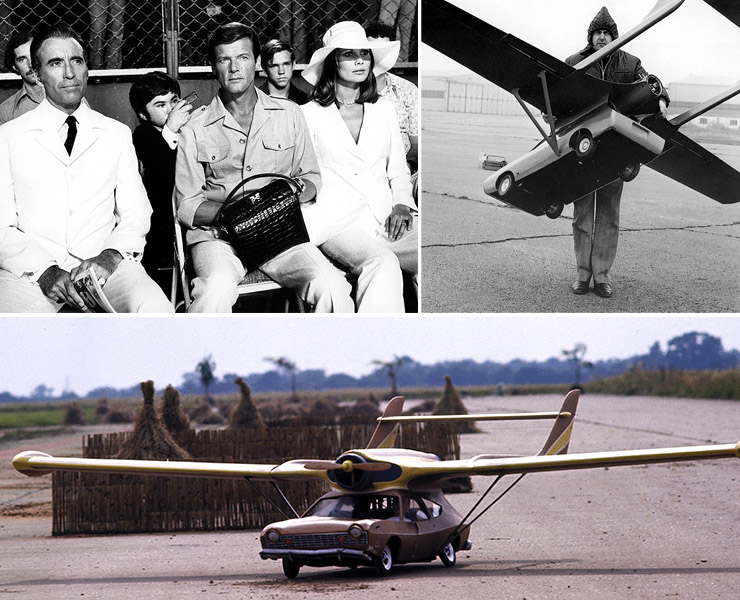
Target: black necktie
<point x="71" y="133"/>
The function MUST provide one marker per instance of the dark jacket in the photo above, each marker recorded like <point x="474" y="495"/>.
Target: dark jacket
<point x="295" y="94"/>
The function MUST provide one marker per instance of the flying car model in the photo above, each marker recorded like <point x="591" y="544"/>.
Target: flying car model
<point x="599" y="131"/>
<point x="386" y="505"/>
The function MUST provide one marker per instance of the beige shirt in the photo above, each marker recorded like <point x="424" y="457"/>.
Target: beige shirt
<point x="16" y="105"/>
<point x="215" y="155"/>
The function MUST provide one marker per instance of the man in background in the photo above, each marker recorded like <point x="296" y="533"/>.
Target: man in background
<point x="18" y="60"/>
<point x="277" y="60"/>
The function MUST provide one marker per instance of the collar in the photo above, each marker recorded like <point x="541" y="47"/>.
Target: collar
<point x="217" y="111"/>
<point x="56" y="118"/>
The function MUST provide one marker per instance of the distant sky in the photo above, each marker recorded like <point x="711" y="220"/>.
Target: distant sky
<point x="694" y="40"/>
<point x="82" y="353"/>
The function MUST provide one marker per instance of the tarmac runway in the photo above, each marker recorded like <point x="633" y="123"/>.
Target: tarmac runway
<point x="662" y="531"/>
<point x="678" y="250"/>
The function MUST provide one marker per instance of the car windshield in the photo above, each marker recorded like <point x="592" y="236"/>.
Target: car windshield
<point x="355" y="507"/>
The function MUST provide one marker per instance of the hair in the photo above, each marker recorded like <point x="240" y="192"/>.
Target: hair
<point x="148" y="86"/>
<point x="378" y="29"/>
<point x="16" y="40"/>
<point x="270" y="48"/>
<point x="54" y="31"/>
<point x="228" y="33"/>
<point x="324" y="92"/>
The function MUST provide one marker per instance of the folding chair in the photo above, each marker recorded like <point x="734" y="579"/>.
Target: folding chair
<point x="253" y="283"/>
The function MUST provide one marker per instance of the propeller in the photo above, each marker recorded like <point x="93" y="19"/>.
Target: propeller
<point x="347" y="466"/>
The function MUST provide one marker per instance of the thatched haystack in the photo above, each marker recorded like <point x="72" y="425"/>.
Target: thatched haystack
<point x="150" y="439"/>
<point x="451" y="404"/>
<point x="246" y="415"/>
<point x="74" y="415"/>
<point x="173" y="416"/>
<point x="102" y="410"/>
<point x="206" y="413"/>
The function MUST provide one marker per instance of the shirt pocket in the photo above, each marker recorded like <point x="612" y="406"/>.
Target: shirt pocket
<point x="216" y="158"/>
<point x="278" y="155"/>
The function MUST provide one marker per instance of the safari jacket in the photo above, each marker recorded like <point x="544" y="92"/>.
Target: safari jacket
<point x="214" y="155"/>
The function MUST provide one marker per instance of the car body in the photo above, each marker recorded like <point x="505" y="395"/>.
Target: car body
<point x="600" y="148"/>
<point x="371" y="528"/>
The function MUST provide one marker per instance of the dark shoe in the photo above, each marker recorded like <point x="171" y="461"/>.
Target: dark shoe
<point x="603" y="289"/>
<point x="580" y="287"/>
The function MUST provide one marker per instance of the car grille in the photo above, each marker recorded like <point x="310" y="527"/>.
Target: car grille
<point x="316" y="540"/>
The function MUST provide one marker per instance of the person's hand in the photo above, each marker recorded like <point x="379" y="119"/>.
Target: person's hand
<point x="398" y="222"/>
<point x="104" y="264"/>
<point x="56" y="284"/>
<point x="179" y="115"/>
<point x="663" y="108"/>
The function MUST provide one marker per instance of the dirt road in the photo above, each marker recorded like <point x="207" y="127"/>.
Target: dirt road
<point x="664" y="531"/>
<point x="678" y="250"/>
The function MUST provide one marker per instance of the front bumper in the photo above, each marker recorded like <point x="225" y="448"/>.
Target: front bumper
<point x="323" y="556"/>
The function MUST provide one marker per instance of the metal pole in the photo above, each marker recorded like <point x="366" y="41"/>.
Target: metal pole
<point x="170" y="9"/>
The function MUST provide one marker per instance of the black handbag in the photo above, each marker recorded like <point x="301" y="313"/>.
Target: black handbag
<point x="263" y="223"/>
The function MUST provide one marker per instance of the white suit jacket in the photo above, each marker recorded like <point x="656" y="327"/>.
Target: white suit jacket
<point x="60" y="209"/>
<point x="371" y="174"/>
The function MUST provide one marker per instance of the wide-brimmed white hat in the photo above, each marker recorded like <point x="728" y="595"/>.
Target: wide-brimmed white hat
<point x="351" y="35"/>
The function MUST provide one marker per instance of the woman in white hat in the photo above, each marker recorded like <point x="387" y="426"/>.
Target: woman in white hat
<point x="363" y="216"/>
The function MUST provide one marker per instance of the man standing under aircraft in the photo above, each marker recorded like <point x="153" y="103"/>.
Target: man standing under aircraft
<point x="596" y="215"/>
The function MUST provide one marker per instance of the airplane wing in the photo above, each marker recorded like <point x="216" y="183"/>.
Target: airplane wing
<point x="522" y="69"/>
<point x="693" y="165"/>
<point x="425" y="474"/>
<point x="728" y="8"/>
<point x="36" y="464"/>
<point x="507" y="61"/>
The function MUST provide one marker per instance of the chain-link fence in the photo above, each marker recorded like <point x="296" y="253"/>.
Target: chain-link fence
<point x="127" y="35"/>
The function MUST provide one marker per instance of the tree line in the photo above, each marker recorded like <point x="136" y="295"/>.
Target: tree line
<point x="690" y="351"/>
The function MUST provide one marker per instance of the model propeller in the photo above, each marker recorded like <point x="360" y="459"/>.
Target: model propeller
<point x="347" y="466"/>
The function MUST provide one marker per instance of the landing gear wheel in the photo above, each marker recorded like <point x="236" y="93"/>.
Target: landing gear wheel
<point x="504" y="184"/>
<point x="584" y="144"/>
<point x="629" y="172"/>
<point x="554" y="211"/>
<point x="291" y="568"/>
<point x="448" y="555"/>
<point x="384" y="563"/>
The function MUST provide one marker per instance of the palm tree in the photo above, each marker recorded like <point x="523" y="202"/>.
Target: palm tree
<point x="577" y="354"/>
<point x="205" y="369"/>
<point x="286" y="365"/>
<point x="392" y="367"/>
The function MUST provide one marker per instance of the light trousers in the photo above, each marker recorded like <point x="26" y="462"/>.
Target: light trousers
<point x="218" y="271"/>
<point x="596" y="232"/>
<point x="129" y="289"/>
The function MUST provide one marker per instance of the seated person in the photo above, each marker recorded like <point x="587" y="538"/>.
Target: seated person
<point x="277" y="60"/>
<point x="244" y="132"/>
<point x="155" y="98"/>
<point x="70" y="195"/>
<point x="363" y="217"/>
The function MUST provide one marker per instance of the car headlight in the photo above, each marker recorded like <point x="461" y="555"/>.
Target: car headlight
<point x="273" y="536"/>
<point x="355" y="532"/>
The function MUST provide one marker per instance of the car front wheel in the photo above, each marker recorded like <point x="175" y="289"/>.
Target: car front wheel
<point x="384" y="563"/>
<point x="291" y="568"/>
<point x="448" y="556"/>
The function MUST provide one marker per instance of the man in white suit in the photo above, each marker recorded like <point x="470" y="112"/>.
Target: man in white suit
<point x="70" y="195"/>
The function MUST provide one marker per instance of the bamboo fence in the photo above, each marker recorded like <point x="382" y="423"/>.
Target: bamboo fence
<point x="93" y="503"/>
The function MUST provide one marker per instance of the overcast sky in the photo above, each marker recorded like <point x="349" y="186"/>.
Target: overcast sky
<point x="694" y="40"/>
<point x="82" y="353"/>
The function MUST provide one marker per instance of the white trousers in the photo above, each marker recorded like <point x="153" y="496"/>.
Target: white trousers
<point x="302" y="268"/>
<point x="129" y="290"/>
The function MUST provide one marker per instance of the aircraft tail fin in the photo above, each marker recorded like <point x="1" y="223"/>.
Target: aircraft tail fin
<point x="559" y="438"/>
<point x="385" y="433"/>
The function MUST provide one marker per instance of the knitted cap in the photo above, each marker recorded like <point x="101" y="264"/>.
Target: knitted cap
<point x="602" y="20"/>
